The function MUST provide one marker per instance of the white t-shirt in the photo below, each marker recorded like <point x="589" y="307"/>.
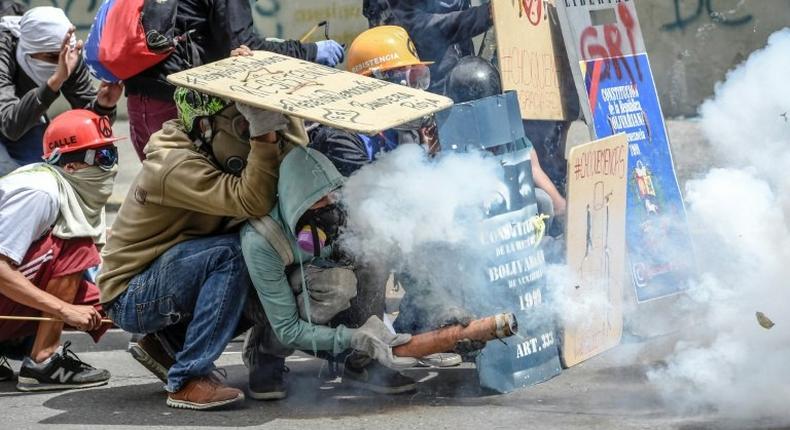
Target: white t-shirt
<point x="28" y="208"/>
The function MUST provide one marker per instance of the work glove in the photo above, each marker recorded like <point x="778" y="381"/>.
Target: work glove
<point x="262" y="121"/>
<point x="375" y="339"/>
<point x="330" y="53"/>
<point x="453" y="316"/>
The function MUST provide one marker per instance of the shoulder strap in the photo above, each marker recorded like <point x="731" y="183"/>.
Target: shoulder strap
<point x="274" y="233"/>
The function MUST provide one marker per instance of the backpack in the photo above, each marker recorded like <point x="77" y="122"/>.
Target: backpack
<point x="130" y="36"/>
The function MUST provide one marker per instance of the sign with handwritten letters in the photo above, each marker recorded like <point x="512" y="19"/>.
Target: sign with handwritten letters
<point x="531" y="57"/>
<point x="592" y="320"/>
<point x="311" y="91"/>
<point x="618" y="93"/>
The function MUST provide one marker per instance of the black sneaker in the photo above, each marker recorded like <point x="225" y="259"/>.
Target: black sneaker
<point x="63" y="371"/>
<point x="149" y="352"/>
<point x="267" y="378"/>
<point x="378" y="379"/>
<point x="6" y="373"/>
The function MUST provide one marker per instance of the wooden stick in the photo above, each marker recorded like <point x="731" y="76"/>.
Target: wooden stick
<point x="42" y="319"/>
<point x="444" y="339"/>
<point x="312" y="30"/>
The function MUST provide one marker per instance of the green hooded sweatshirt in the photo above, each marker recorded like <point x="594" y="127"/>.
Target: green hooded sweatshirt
<point x="305" y="177"/>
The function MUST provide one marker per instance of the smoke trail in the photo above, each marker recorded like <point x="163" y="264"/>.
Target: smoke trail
<point x="739" y="216"/>
<point x="405" y="200"/>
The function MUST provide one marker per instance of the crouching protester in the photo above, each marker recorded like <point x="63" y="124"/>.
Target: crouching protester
<point x="40" y="59"/>
<point x="173" y="268"/>
<point x="51" y="219"/>
<point x="310" y="301"/>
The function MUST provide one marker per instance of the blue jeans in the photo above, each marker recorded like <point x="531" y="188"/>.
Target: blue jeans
<point x="202" y="281"/>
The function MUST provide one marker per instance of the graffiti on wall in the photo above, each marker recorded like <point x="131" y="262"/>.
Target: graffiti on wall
<point x="705" y="7"/>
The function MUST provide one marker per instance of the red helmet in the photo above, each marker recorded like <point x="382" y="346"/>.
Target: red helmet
<point x="77" y="130"/>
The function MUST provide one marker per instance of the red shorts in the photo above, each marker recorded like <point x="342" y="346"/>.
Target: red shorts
<point x="46" y="259"/>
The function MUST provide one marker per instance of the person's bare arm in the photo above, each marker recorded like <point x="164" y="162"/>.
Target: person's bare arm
<point x="16" y="287"/>
<point x="543" y="182"/>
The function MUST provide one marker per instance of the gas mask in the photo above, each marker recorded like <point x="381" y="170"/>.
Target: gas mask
<point x="227" y="135"/>
<point x="319" y="227"/>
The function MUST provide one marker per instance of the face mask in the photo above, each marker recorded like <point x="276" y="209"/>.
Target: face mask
<point x="228" y="136"/>
<point x="320" y="227"/>
<point x="40" y="71"/>
<point x="309" y="242"/>
<point x="93" y="184"/>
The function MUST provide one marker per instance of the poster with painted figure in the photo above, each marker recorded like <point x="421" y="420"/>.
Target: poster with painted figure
<point x="660" y="250"/>
<point x="618" y="95"/>
<point x="592" y="309"/>
<point x="531" y="57"/>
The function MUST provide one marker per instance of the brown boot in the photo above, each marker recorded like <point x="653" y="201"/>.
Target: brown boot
<point x="149" y="352"/>
<point x="204" y="393"/>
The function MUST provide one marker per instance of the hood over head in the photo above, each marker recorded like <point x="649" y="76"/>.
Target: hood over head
<point x="306" y="176"/>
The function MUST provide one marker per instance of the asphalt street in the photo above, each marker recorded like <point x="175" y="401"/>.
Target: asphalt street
<point x="610" y="391"/>
<point x="607" y="392"/>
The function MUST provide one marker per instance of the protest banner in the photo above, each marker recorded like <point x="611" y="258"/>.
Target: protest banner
<point x="531" y="57"/>
<point x="592" y="305"/>
<point x="618" y="93"/>
<point x="312" y="92"/>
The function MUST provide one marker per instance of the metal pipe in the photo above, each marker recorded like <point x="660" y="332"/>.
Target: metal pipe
<point x="444" y="339"/>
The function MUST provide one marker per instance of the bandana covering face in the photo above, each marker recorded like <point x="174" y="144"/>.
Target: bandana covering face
<point x="41" y="29"/>
<point x="82" y="196"/>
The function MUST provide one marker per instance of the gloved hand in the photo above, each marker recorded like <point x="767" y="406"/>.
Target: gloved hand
<point x="455" y="315"/>
<point x="262" y="121"/>
<point x="376" y="339"/>
<point x="330" y="53"/>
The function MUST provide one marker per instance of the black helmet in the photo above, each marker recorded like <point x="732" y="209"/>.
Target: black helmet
<point x="344" y="149"/>
<point x="471" y="79"/>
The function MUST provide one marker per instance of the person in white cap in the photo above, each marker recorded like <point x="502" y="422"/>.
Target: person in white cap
<point x="40" y="59"/>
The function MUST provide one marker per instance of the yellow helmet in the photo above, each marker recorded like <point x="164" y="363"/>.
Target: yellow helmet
<point x="382" y="48"/>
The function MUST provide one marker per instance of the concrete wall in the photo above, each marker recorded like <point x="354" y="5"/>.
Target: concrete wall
<point x="692" y="43"/>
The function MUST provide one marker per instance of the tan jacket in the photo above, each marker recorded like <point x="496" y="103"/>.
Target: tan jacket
<point x="181" y="194"/>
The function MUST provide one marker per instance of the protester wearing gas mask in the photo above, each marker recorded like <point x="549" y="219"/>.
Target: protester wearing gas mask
<point x="174" y="258"/>
<point x="51" y="221"/>
<point x="442" y="29"/>
<point x="307" y="295"/>
<point x="39" y="59"/>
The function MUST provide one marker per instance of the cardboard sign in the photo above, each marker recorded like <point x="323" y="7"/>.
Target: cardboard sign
<point x="311" y="91"/>
<point x="598" y="172"/>
<point x="531" y="57"/>
<point x="514" y="263"/>
<point x="619" y="95"/>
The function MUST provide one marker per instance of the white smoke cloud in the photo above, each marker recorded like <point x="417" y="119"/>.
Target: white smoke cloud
<point x="405" y="200"/>
<point x="739" y="219"/>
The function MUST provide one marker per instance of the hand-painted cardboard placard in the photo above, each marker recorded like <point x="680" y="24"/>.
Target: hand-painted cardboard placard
<point x="618" y="95"/>
<point x="311" y="91"/>
<point x="509" y="244"/>
<point x="595" y="248"/>
<point x="531" y="57"/>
